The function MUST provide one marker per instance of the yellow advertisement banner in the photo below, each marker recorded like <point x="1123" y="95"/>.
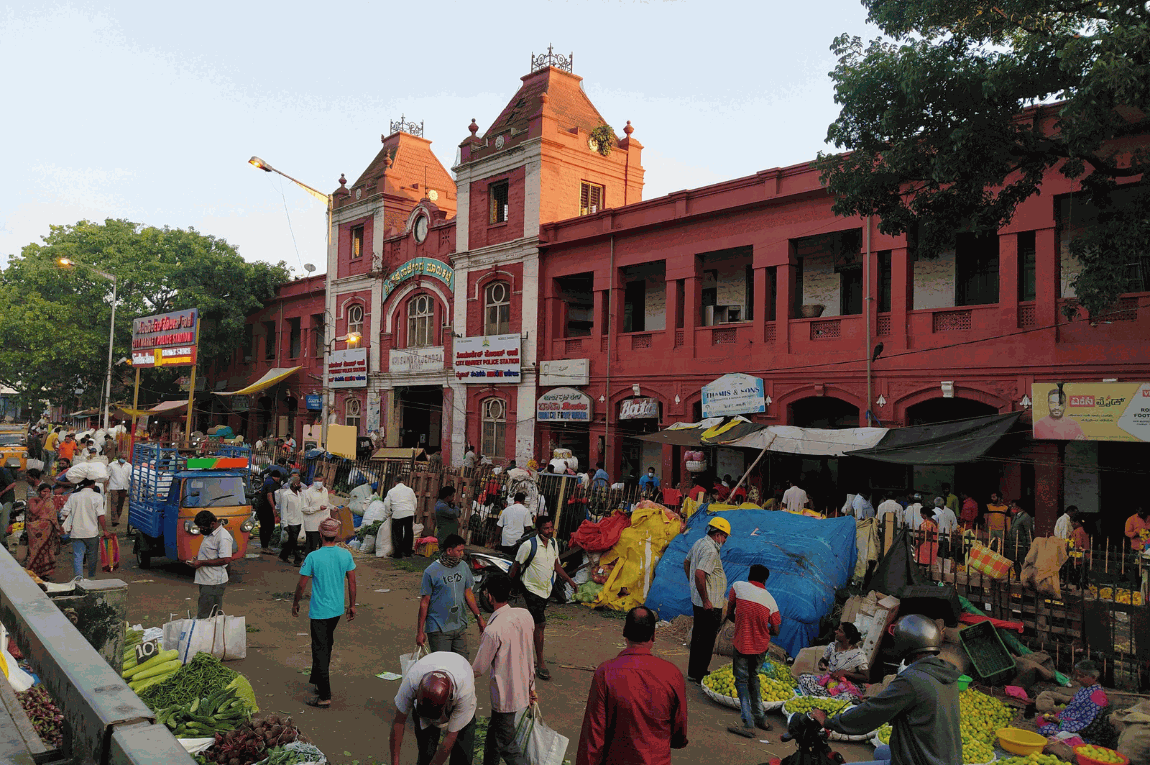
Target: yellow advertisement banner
<point x="1091" y="411"/>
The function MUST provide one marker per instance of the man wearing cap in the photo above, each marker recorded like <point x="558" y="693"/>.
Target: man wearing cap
<point x="327" y="568"/>
<point x="215" y="553"/>
<point x="708" y="584"/>
<point x="439" y="690"/>
<point x="921" y="703"/>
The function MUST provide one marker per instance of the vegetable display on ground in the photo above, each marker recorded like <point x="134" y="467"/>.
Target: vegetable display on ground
<point x="45" y="716"/>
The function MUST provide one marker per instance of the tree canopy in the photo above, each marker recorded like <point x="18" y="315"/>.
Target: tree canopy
<point x="934" y="119"/>
<point x="54" y="333"/>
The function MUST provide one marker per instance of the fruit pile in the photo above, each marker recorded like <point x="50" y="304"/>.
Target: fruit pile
<point x="1032" y="759"/>
<point x="976" y="752"/>
<point x="883" y="733"/>
<point x="980" y="717"/>
<point x="1100" y="753"/>
<point x="807" y="703"/>
<point x="1118" y="595"/>
<point x="722" y="682"/>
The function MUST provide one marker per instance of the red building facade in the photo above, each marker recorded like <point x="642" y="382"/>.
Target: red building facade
<point x="646" y="304"/>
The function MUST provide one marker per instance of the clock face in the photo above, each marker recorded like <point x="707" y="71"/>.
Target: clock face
<point x="592" y="144"/>
<point x="433" y="195"/>
<point x="421" y="228"/>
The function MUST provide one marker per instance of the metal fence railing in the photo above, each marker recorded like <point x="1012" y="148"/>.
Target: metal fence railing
<point x="1102" y="612"/>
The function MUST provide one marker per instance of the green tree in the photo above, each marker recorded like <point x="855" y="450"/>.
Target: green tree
<point x="933" y="118"/>
<point x="54" y="330"/>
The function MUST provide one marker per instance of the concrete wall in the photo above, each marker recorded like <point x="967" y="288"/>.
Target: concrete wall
<point x="934" y="282"/>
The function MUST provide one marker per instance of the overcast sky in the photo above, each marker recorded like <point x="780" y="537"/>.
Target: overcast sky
<point x="149" y="111"/>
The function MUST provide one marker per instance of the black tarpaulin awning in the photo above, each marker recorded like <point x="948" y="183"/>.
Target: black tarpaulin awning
<point x="944" y="443"/>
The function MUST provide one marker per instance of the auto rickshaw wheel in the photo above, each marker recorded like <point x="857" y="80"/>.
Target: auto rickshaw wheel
<point x="143" y="555"/>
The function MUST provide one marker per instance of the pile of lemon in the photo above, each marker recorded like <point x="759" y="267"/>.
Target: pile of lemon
<point x="976" y="752"/>
<point x="980" y="716"/>
<point x="807" y="703"/>
<point x="1100" y="753"/>
<point x="722" y="682"/>
<point x="883" y="733"/>
<point x="1032" y="759"/>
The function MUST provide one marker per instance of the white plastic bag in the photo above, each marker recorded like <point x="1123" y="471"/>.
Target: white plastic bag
<point x="540" y="745"/>
<point x="368" y="545"/>
<point x="231" y="638"/>
<point x="224" y="637"/>
<point x="406" y="660"/>
<point x="383" y="544"/>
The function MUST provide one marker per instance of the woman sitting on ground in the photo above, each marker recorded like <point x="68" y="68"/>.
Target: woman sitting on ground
<point x="1086" y="712"/>
<point x="843" y="660"/>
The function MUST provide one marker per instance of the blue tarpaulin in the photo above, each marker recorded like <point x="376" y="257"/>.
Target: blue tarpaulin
<point x="809" y="559"/>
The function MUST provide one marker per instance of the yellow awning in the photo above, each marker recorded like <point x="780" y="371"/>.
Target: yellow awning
<point x="272" y="377"/>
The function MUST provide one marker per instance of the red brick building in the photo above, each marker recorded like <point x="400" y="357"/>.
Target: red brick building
<point x="643" y="305"/>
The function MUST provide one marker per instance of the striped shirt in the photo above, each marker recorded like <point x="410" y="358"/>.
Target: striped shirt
<point x="755" y="613"/>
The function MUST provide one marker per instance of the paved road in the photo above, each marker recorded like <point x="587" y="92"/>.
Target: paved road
<point x="358" y="724"/>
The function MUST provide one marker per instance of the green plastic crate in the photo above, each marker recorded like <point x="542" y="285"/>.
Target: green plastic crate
<point x="992" y="662"/>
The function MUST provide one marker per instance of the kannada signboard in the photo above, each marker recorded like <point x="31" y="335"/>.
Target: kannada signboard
<point x="563" y="405"/>
<point x="347" y="368"/>
<point x="489" y="359"/>
<point x="1091" y="411"/>
<point x="419" y="267"/>
<point x="734" y="394"/>
<point x="415" y="359"/>
<point x="168" y="339"/>
<point x="313" y="402"/>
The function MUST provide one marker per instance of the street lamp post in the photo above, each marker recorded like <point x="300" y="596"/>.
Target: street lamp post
<point x="111" y="332"/>
<point x="327" y="200"/>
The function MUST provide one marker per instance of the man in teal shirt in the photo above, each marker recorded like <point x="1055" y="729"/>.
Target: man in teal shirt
<point x="326" y="567"/>
<point x="445" y="596"/>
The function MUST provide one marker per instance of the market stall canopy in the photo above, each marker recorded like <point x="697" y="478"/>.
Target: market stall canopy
<point x="396" y="453"/>
<point x="270" y="378"/>
<point x="713" y="431"/>
<point x="944" y="443"/>
<point x="166" y="407"/>
<point x="815" y="442"/>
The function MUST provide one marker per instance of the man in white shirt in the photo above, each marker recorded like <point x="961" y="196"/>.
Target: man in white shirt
<point x="119" y="480"/>
<point x="215" y="553"/>
<point x="538" y="561"/>
<point x="315" y="509"/>
<point x="514" y="521"/>
<point x="83" y="515"/>
<point x="440" y="690"/>
<point x="912" y="516"/>
<point x="795" y="499"/>
<point x="889" y="506"/>
<point x="399" y="505"/>
<point x="1064" y="527"/>
<point x="862" y="507"/>
<point x="291" y="519"/>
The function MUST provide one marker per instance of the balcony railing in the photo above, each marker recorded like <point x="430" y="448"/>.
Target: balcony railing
<point x="827" y="329"/>
<point x="952" y="321"/>
<point x="640" y="341"/>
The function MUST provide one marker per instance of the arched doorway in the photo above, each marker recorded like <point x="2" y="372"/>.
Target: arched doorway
<point x="936" y="410"/>
<point x="823" y="412"/>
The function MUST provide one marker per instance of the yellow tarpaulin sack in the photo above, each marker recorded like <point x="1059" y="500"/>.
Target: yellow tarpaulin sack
<point x="635" y="556"/>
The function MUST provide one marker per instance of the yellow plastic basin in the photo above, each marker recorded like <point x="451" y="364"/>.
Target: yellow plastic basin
<point x="1018" y="741"/>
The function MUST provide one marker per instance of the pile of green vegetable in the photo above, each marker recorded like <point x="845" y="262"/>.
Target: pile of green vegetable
<point x="223" y="711"/>
<point x="200" y="678"/>
<point x="371" y="529"/>
<point x="155" y="670"/>
<point x="292" y="754"/>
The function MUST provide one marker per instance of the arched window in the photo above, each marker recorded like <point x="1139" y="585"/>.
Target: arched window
<point x="497" y="309"/>
<point x="420" y="322"/>
<point x="355" y="319"/>
<point x="351" y="413"/>
<point x="494" y="412"/>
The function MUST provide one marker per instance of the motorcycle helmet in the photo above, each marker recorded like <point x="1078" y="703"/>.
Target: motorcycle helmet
<point x="914" y="634"/>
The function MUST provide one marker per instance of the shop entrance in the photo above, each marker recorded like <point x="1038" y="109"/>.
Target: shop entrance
<point x="638" y="417"/>
<point x="1121" y="472"/>
<point x="420" y="416"/>
<point x="573" y="438"/>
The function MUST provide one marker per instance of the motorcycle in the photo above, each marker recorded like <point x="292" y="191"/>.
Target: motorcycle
<point x="483" y="566"/>
<point x="811" y="739"/>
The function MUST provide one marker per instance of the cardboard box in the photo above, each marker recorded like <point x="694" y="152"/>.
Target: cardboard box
<point x="872" y="614"/>
<point x="807" y="662"/>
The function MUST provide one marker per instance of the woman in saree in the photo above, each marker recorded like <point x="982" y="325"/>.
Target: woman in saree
<point x="43" y="526"/>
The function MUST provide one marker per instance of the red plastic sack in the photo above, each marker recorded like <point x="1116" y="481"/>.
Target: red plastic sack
<point x="109" y="554"/>
<point x="601" y="536"/>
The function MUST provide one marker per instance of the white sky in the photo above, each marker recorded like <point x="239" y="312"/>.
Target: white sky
<point x="149" y="111"/>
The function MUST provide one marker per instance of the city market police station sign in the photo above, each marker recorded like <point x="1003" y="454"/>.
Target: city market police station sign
<point x="734" y="394"/>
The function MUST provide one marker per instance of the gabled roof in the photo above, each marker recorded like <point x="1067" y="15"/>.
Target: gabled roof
<point x="566" y="102"/>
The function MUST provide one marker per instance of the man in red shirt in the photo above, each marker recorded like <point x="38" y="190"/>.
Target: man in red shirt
<point x="637" y="708"/>
<point x="756" y="617"/>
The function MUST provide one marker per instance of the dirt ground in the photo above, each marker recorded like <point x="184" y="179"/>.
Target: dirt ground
<point x="356" y="727"/>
